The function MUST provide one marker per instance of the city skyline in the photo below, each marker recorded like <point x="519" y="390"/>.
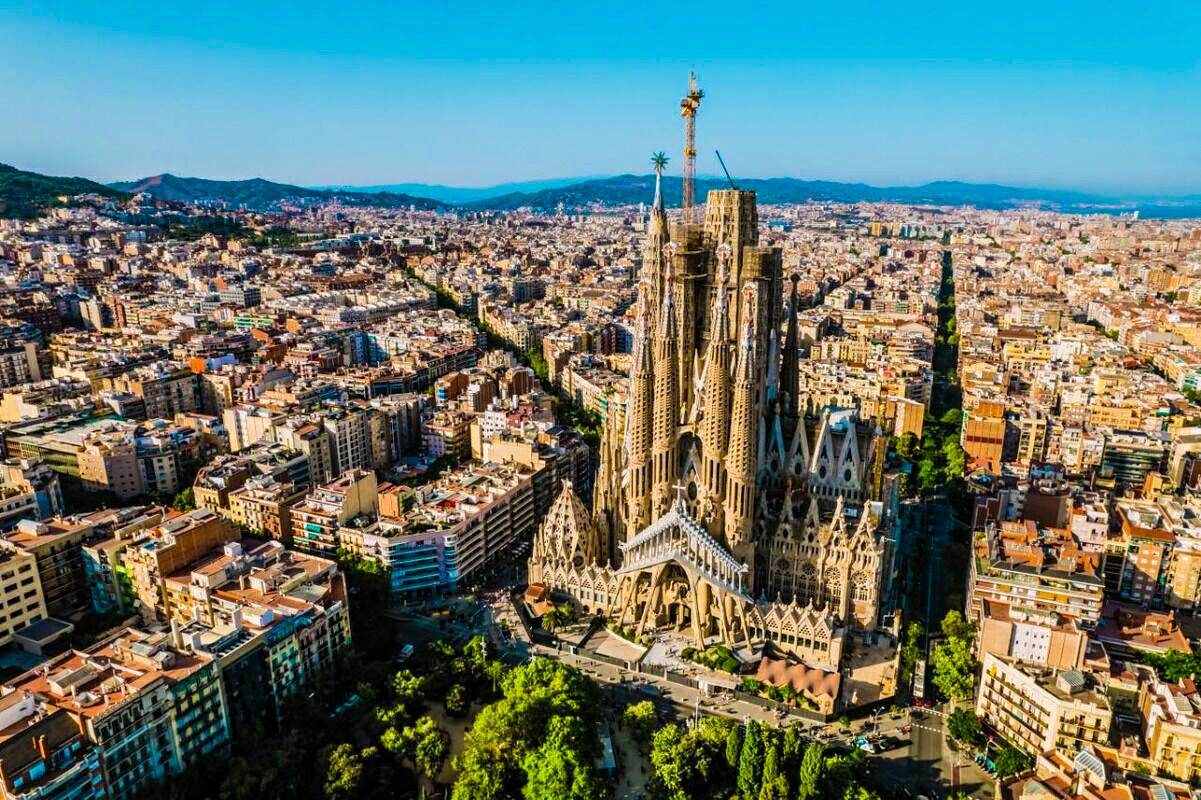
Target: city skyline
<point x="881" y="97"/>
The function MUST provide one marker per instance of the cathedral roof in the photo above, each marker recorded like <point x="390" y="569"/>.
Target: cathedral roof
<point x="677" y="537"/>
<point x="567" y="529"/>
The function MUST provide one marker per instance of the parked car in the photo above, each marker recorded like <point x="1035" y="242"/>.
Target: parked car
<point x="886" y="743"/>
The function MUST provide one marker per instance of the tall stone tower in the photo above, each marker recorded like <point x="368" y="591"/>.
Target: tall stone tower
<point x="714" y="406"/>
<point x="742" y="451"/>
<point x="637" y="478"/>
<point x="714" y="428"/>
<point x="731" y="218"/>
<point x="666" y="404"/>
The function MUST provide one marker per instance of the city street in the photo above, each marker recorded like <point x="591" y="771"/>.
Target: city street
<point x="922" y="762"/>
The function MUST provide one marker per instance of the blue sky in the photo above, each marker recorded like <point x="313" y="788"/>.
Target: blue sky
<point x="1093" y="95"/>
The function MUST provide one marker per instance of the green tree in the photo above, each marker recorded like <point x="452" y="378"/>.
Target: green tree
<point x="1011" y="761"/>
<point x="408" y="691"/>
<point x="184" y="500"/>
<point x="954" y="669"/>
<point x="792" y="749"/>
<point x="553" y="620"/>
<point x="734" y="746"/>
<point x="1173" y="665"/>
<point x="495" y="672"/>
<point x="956" y="459"/>
<point x="430" y="752"/>
<point x="775" y="784"/>
<point x="457" y="700"/>
<point x="911" y="650"/>
<point x="954" y="626"/>
<point x="344" y="772"/>
<point x="952" y="417"/>
<point x="750" y="762"/>
<point x="493" y="761"/>
<point x="560" y="769"/>
<point x="641" y="720"/>
<point x="907" y="446"/>
<point x="952" y="661"/>
<point x="963" y="724"/>
<point x="929" y="476"/>
<point x="690" y="765"/>
<point x="813" y="768"/>
<point x="841" y="775"/>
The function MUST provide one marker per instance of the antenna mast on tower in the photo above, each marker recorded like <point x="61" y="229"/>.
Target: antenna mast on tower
<point x="688" y="108"/>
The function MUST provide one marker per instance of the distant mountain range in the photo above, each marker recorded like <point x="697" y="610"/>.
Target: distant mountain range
<point x="626" y="189"/>
<point x="464" y="194"/>
<point x="259" y="194"/>
<point x="547" y="195"/>
<point x="25" y="195"/>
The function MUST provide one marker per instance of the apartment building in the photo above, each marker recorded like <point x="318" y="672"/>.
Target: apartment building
<point x="224" y="475"/>
<point x="21" y="600"/>
<point x="1031" y="636"/>
<point x="153" y="457"/>
<point x="166" y="388"/>
<point x="984" y="432"/>
<point x="313" y="442"/>
<point x="1171" y="714"/>
<point x="447" y="433"/>
<point x="1138" y="558"/>
<point x="45" y="754"/>
<point x="57" y="547"/>
<point x="105" y="574"/>
<point x="264" y="504"/>
<point x="19" y="363"/>
<point x="349" y="432"/>
<point x="29" y="489"/>
<point x="150" y="708"/>
<point x="168" y="548"/>
<point x="280" y="623"/>
<point x="1026" y="567"/>
<point x="316" y="520"/>
<point x="432" y="539"/>
<point x="1038" y="709"/>
<point x="108" y="461"/>
<point x="248" y="424"/>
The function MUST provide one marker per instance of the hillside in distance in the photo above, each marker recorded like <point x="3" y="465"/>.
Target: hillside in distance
<point x="259" y="194"/>
<point x="463" y="194"/>
<point x="632" y="189"/>
<point x="24" y="195"/>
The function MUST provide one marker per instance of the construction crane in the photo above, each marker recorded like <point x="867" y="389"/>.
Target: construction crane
<point x="722" y="161"/>
<point x="688" y="108"/>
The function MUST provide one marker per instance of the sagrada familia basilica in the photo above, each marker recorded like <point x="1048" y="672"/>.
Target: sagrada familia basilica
<point x="726" y="509"/>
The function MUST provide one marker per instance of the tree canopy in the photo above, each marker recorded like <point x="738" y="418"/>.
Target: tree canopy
<point x="548" y="709"/>
<point x="953" y="663"/>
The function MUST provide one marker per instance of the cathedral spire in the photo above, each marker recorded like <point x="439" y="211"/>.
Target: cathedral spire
<point x="666" y="403"/>
<point x="744" y="437"/>
<point x="715" y="422"/>
<point x="656" y="232"/>
<point x="789" y="371"/>
<point x="639" y="418"/>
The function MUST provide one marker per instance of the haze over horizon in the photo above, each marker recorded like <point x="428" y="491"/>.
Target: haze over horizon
<point x="1085" y="98"/>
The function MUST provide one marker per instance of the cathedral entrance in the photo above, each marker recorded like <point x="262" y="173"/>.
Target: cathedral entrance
<point x="677" y="599"/>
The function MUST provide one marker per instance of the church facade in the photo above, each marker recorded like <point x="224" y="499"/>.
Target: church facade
<point x="725" y="509"/>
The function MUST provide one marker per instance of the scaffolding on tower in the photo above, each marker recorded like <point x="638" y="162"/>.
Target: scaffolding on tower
<point x="688" y="108"/>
